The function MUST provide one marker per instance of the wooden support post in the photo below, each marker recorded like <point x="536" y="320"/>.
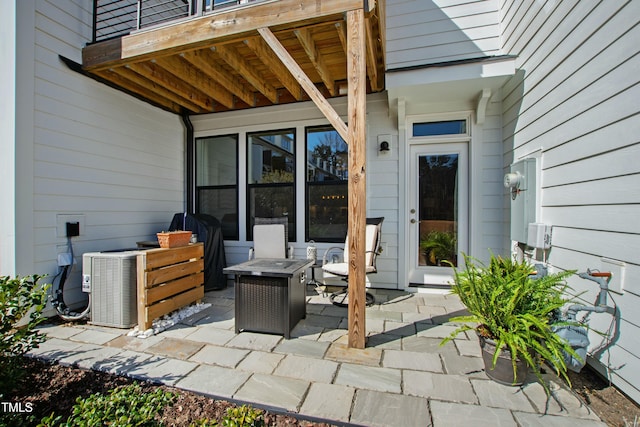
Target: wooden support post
<point x="356" y="77"/>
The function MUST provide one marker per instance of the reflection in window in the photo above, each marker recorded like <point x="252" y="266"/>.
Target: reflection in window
<point x="449" y="127"/>
<point x="216" y="181"/>
<point x="438" y="209"/>
<point x="326" y="185"/>
<point x="270" y="177"/>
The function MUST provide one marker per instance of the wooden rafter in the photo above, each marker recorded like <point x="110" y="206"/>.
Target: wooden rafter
<point x="153" y="88"/>
<point x="156" y="74"/>
<point x="262" y="51"/>
<point x="129" y="85"/>
<point x="372" y="66"/>
<point x="342" y="34"/>
<point x="235" y="61"/>
<point x="183" y="70"/>
<point x="306" y="40"/>
<point x="206" y="62"/>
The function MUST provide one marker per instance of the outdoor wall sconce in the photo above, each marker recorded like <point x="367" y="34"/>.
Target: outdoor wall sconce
<point x="384" y="145"/>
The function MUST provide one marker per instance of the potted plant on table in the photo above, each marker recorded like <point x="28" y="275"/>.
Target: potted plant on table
<point x="513" y="314"/>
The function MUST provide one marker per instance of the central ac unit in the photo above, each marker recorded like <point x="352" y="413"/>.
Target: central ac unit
<point x="112" y="278"/>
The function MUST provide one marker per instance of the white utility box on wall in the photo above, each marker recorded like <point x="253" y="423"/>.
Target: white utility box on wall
<point x="521" y="182"/>
<point x="539" y="236"/>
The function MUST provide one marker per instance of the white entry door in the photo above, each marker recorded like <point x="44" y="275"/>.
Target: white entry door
<point x="438" y="211"/>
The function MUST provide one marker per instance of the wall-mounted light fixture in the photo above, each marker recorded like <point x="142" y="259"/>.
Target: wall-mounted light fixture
<point x="384" y="145"/>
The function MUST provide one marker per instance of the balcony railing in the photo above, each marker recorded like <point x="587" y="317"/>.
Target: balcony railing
<point x="116" y="18"/>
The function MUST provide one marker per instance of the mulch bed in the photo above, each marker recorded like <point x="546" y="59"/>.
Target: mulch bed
<point x="54" y="388"/>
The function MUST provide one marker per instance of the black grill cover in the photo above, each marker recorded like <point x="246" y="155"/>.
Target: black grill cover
<point x="209" y="232"/>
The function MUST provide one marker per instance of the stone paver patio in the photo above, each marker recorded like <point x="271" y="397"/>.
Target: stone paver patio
<point x="403" y="377"/>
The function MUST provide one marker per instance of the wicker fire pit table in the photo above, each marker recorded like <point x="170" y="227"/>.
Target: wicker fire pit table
<point x="270" y="294"/>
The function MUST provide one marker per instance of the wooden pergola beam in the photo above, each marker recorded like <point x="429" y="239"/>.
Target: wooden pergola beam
<point x="205" y="61"/>
<point x="357" y="103"/>
<point x="306" y="83"/>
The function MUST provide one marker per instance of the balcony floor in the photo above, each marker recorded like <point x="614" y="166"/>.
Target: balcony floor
<point x="403" y="377"/>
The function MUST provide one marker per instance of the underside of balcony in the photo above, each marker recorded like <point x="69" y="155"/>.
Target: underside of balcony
<point x="228" y="60"/>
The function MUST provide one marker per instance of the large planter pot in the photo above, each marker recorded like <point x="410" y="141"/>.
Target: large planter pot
<point x="502" y="372"/>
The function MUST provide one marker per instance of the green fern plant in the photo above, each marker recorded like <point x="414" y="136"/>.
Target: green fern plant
<point x="515" y="310"/>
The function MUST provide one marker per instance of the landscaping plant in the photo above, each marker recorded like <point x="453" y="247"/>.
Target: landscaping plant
<point x="515" y="310"/>
<point x="243" y="416"/>
<point x="240" y="416"/>
<point x="123" y="406"/>
<point x="22" y="300"/>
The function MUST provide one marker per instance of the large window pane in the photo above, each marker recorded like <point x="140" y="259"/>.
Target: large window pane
<point x="326" y="185"/>
<point x="270" y="177"/>
<point x="216" y="181"/>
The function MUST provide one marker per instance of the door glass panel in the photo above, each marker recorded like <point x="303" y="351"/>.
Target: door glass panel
<point x="437" y="209"/>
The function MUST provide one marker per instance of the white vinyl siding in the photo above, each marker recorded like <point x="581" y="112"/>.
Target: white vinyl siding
<point x="424" y="32"/>
<point x="97" y="154"/>
<point x="574" y="102"/>
<point x="8" y="48"/>
<point x="489" y="224"/>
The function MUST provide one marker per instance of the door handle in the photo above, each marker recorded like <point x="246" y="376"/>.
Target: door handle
<point x="413" y="220"/>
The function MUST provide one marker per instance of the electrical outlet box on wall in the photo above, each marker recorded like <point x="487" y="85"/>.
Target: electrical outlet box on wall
<point x="539" y="236"/>
<point x="63" y="219"/>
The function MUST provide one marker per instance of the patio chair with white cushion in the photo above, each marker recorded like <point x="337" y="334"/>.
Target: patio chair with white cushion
<point x="340" y="268"/>
<point x="270" y="239"/>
